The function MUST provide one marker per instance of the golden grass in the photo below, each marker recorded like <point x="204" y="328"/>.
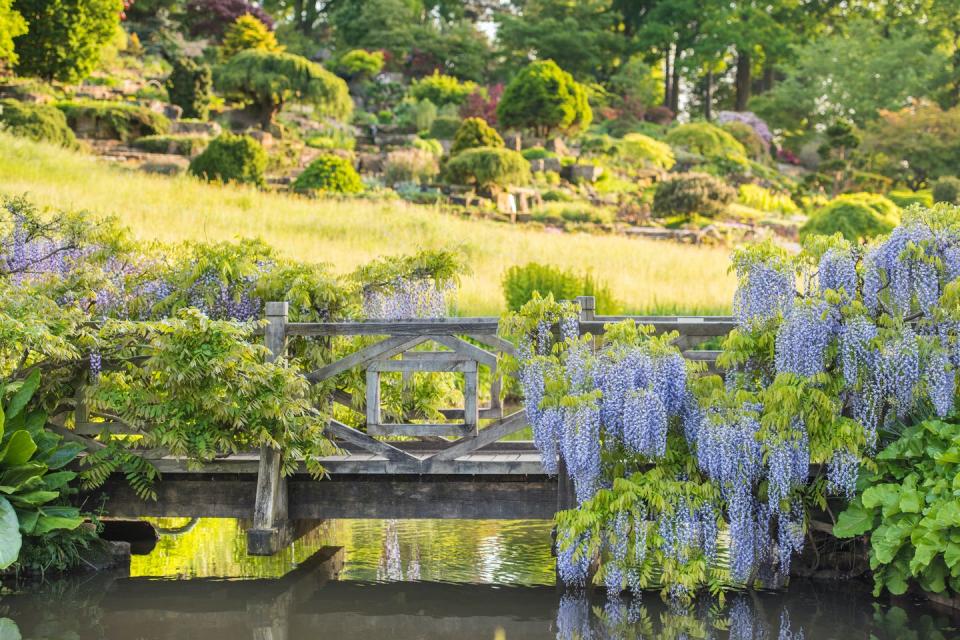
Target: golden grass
<point x="648" y="276"/>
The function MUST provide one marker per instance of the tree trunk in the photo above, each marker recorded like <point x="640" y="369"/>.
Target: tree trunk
<point x="743" y="80"/>
<point x="666" y="78"/>
<point x="298" y="17"/>
<point x="708" y="97"/>
<point x="675" y="85"/>
<point x="768" y="77"/>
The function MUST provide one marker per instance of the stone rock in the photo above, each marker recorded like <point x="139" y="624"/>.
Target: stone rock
<point x="536" y="165"/>
<point x="193" y="128"/>
<point x="370" y="162"/>
<point x="107" y="555"/>
<point x="513" y="142"/>
<point x="552" y="164"/>
<point x="263" y="137"/>
<point x="557" y="146"/>
<point x="582" y="172"/>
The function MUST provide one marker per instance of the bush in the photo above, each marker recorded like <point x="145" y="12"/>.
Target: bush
<point x="359" y="63"/>
<point x="182" y="145"/>
<point x="473" y="133"/>
<point x="641" y="149"/>
<point x="904" y="199"/>
<point x="12" y="25"/>
<point x="577" y="213"/>
<point x="520" y="283"/>
<point x="188" y="87"/>
<point x="248" y="32"/>
<point x="112" y="120"/>
<point x="441" y="90"/>
<point x="543" y="97"/>
<point x="328" y="174"/>
<point x="709" y="141"/>
<point x="692" y="193"/>
<point x="487" y="168"/>
<point x="212" y="17"/>
<point x="758" y="197"/>
<point x="445" y="127"/>
<point x="419" y="115"/>
<point x="429" y="145"/>
<point x="947" y="189"/>
<point x="856" y="216"/>
<point x="41" y="122"/>
<point x="232" y="158"/>
<point x="743" y="133"/>
<point x="410" y="165"/>
<point x="537" y="153"/>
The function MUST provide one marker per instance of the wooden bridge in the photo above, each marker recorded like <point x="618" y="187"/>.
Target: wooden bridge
<point x="467" y="466"/>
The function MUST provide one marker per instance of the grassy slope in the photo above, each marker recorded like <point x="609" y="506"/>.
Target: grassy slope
<point x="650" y="277"/>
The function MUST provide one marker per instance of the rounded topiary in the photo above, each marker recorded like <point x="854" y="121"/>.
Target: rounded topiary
<point x="41" y="122"/>
<point x="189" y="85"/>
<point x="746" y="135"/>
<point x="707" y="140"/>
<point x="692" y="193"/>
<point x="543" y="97"/>
<point x="856" y="216"/>
<point x="947" y="189"/>
<point x="487" y="168"/>
<point x="328" y="174"/>
<point x="473" y="133"/>
<point x="232" y="158"/>
<point x="641" y="149"/>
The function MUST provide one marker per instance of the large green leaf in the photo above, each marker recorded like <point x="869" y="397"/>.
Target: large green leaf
<point x="9" y="630"/>
<point x="19" y="476"/>
<point x="58" y="480"/>
<point x="28" y="520"/>
<point x="19" y="449"/>
<point x="47" y="524"/>
<point x="854" y="521"/>
<point x="34" y="498"/>
<point x="65" y="454"/>
<point x="23" y="394"/>
<point x="10" y="539"/>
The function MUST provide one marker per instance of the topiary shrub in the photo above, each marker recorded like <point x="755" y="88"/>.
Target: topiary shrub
<point x="188" y="87"/>
<point x="692" y="193"/>
<point x="947" y="189"/>
<point x="410" y="165"/>
<point x="445" y="127"/>
<point x="232" y="158"/>
<point x="754" y="145"/>
<point x="488" y="168"/>
<point x="644" y="150"/>
<point x="440" y="89"/>
<point x="904" y="199"/>
<point x="112" y="120"/>
<point x="543" y="97"/>
<point x="41" y="122"/>
<point x="473" y="133"/>
<point x="182" y="145"/>
<point x="709" y="141"/>
<point x="521" y="282"/>
<point x="359" y="63"/>
<point x="537" y="153"/>
<point x="328" y="174"/>
<point x="856" y="216"/>
<point x="248" y="32"/>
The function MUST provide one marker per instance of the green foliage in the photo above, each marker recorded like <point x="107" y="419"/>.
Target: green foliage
<point x="947" y="189"/>
<point x="442" y="267"/>
<point x="12" y="25"/>
<point x="410" y="165"/>
<point x="188" y="86"/>
<point x="643" y="150"/>
<point x="855" y="216"/>
<point x="41" y="122"/>
<point x="266" y="80"/>
<point x="445" y="127"/>
<point x="709" y="141"/>
<point x="543" y="97"/>
<point x="329" y="174"/>
<point x="112" y="120"/>
<point x="537" y="153"/>
<point x="522" y="283"/>
<point x="232" y="158"/>
<point x="904" y="199"/>
<point x="692" y="193"/>
<point x="64" y="38"/>
<point x="910" y="510"/>
<point x="473" y="133"/>
<point x="441" y="89"/>
<point x="247" y="32"/>
<point x="753" y="144"/>
<point x="487" y="168"/>
<point x="359" y="63"/>
<point x="183" y="145"/>
<point x="764" y="199"/>
<point x="639" y="81"/>
<point x="431" y="146"/>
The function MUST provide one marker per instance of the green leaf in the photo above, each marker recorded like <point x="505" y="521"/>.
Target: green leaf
<point x="28" y="520"/>
<point x="19" y="449"/>
<point x="10" y="539"/>
<point x="9" y="630"/>
<point x="23" y="394"/>
<point x="854" y="521"/>
<point x="18" y="477"/>
<point x="64" y="455"/>
<point x="47" y="524"/>
<point x="35" y="498"/>
<point x="58" y="480"/>
<point x="952" y="554"/>
<point x="910" y="501"/>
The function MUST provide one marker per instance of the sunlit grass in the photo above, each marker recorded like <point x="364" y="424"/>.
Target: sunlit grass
<point x="648" y="276"/>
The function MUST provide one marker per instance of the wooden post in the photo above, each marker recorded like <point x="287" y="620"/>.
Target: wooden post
<point x="588" y="307"/>
<point x="271" y="527"/>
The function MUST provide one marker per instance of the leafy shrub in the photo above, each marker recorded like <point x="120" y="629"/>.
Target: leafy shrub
<point x="419" y="115"/>
<point x="640" y="149"/>
<point x="754" y="145"/>
<point x="212" y="17"/>
<point x="183" y="145"/>
<point x="359" y="63"/>
<point x="763" y="199"/>
<point x="543" y="97"/>
<point x="410" y="165"/>
<point x="112" y="120"/>
<point x="188" y="87"/>
<point x="856" y="216"/>
<point x="441" y="89"/>
<point x="248" y="32"/>
<point x="12" y="25"/>
<point x="947" y="189"/>
<point x="328" y="174"/>
<point x="232" y="158"/>
<point x="577" y="213"/>
<point x="445" y="127"/>
<point x="752" y="120"/>
<point x="537" y="153"/>
<point x="473" y="133"/>
<point x="488" y="167"/>
<point x="429" y="145"/>
<point x="709" y="141"/>
<point x="692" y="193"/>
<point x="332" y="138"/>
<point x="521" y="282"/>
<point x="904" y="199"/>
<point x="41" y="122"/>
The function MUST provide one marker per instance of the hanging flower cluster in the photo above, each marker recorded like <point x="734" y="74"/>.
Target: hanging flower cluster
<point x="407" y="299"/>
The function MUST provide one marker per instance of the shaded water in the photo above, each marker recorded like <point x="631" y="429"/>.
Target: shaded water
<point x="406" y="580"/>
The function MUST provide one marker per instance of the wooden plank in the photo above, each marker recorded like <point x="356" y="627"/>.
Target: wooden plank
<point x="424" y="365"/>
<point x="471" y="414"/>
<point x="373" y="397"/>
<point x="485" y="413"/>
<point x="364" y="441"/>
<point x="489" y="434"/>
<point x="408" y="429"/>
<point x="685" y="326"/>
<point x="439" y="356"/>
<point x="446" y="326"/>
<point x="494" y="342"/>
<point x="462" y="346"/>
<point x="384" y="349"/>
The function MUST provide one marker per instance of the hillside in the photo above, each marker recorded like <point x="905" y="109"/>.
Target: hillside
<point x="648" y="276"/>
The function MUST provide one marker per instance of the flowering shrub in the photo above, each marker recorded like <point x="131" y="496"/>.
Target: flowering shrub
<point x="750" y="119"/>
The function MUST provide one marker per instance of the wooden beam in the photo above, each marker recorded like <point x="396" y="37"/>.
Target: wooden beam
<point x="489" y="434"/>
<point x="431" y="365"/>
<point x="447" y="326"/>
<point x="462" y="346"/>
<point x="384" y="349"/>
<point x="495" y="342"/>
<point x="364" y="441"/>
<point x="410" y="429"/>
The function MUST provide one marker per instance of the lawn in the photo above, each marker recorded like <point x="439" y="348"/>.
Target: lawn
<point x="648" y="276"/>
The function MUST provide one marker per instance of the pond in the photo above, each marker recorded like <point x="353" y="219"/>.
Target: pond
<point x="424" y="579"/>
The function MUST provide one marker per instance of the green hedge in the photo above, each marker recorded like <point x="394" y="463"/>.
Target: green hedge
<point x="112" y="120"/>
<point x="520" y="283"/>
<point x="232" y="158"/>
<point x="40" y="122"/>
